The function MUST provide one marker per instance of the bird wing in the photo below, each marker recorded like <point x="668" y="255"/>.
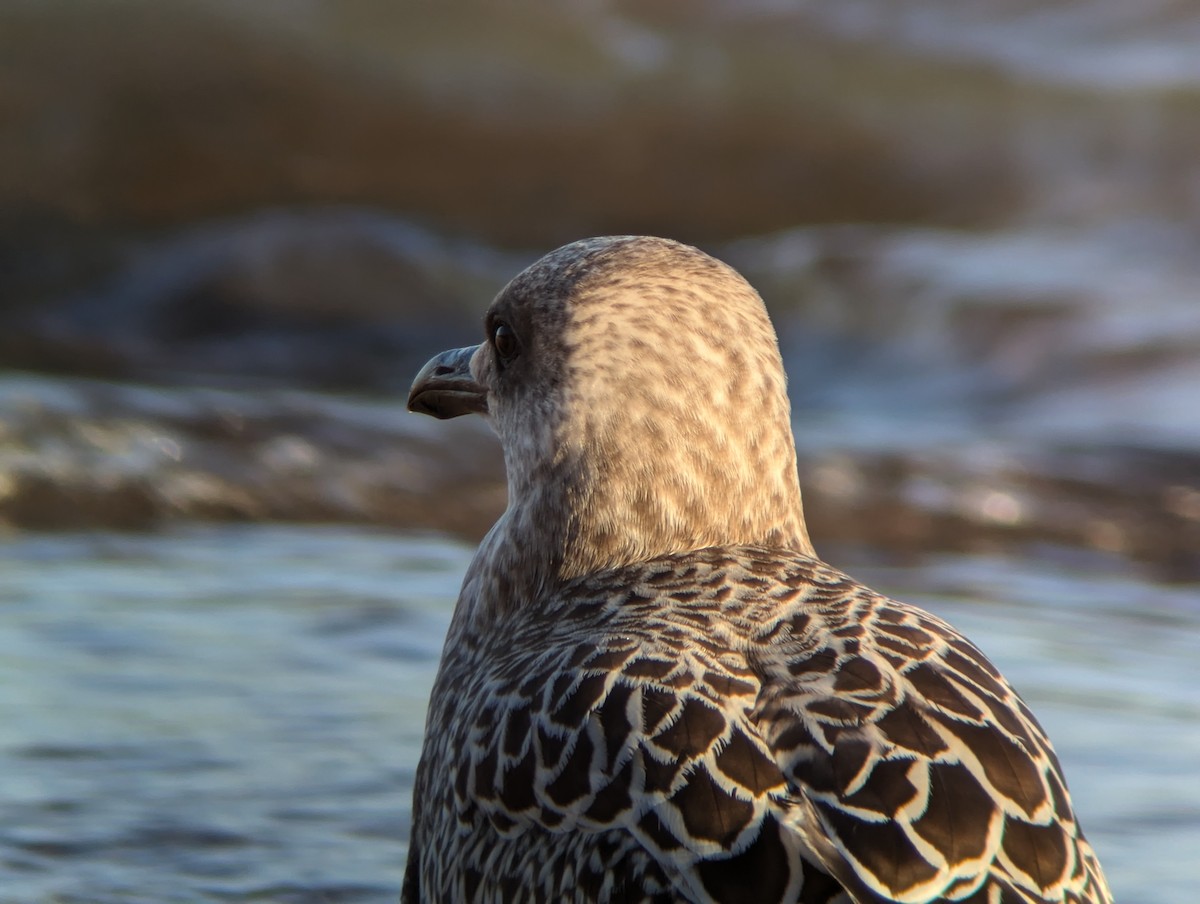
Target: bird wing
<point x="919" y="774"/>
<point x="760" y="723"/>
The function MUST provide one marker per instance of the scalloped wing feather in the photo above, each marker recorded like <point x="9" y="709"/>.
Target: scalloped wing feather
<point x="737" y="725"/>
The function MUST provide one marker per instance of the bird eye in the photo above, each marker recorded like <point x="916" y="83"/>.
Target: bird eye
<point x="504" y="338"/>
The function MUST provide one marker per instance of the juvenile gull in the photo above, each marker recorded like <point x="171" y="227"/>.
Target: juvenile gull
<point x="652" y="690"/>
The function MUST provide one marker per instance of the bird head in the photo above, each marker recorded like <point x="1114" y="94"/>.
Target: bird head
<point x="637" y="389"/>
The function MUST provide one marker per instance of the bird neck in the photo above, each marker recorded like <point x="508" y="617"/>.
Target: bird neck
<point x="586" y="512"/>
<point x="629" y="504"/>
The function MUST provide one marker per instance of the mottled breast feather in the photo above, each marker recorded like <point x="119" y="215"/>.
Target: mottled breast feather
<point x="739" y="724"/>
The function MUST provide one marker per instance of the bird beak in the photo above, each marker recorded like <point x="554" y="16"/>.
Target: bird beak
<point x="445" y="388"/>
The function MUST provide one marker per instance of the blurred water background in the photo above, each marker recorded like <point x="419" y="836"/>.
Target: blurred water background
<point x="230" y="233"/>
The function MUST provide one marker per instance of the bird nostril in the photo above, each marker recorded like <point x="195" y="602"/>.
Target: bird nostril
<point x="442" y="370"/>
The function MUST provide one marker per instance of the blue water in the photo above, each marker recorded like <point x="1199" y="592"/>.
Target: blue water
<point x="233" y="714"/>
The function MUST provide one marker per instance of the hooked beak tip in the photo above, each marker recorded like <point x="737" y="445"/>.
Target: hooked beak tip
<point x="445" y="388"/>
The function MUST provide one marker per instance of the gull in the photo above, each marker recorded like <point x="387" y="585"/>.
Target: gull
<point x="651" y="688"/>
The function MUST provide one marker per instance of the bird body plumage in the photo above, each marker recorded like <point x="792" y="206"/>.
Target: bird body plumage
<point x="651" y="689"/>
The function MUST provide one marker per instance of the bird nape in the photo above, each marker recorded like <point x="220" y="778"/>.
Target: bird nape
<point x="652" y="689"/>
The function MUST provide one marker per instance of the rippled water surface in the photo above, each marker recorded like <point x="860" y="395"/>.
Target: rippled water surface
<point x="215" y="715"/>
<point x="234" y="714"/>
